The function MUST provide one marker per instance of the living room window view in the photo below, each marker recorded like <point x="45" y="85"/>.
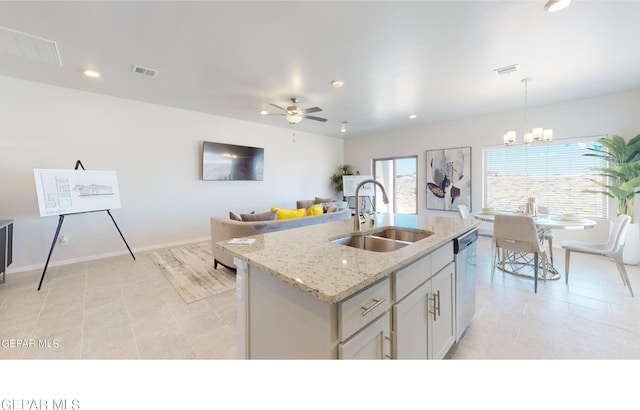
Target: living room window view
<point x="301" y="203"/>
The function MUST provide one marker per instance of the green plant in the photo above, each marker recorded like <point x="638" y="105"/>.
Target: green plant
<point x="622" y="176"/>
<point x="336" y="179"/>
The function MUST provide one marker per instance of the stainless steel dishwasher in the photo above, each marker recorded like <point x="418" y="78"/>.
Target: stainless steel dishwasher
<point x="464" y="248"/>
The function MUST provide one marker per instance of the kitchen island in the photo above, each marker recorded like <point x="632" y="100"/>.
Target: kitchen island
<point x="302" y="296"/>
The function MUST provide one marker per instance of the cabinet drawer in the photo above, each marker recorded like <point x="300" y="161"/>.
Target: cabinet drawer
<point x="410" y="277"/>
<point x="441" y="257"/>
<point x="363" y="307"/>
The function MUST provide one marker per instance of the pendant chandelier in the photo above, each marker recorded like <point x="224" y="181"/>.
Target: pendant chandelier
<point x="536" y="134"/>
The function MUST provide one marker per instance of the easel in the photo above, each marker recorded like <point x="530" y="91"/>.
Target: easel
<point x="61" y="219"/>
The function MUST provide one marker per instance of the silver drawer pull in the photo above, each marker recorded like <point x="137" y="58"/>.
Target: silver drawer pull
<point x="370" y="308"/>
<point x="435" y="310"/>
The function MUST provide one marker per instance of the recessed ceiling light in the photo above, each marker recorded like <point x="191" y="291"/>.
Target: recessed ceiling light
<point x="264" y="112"/>
<point x="412" y="116"/>
<point x="337" y="83"/>
<point x="556" y="5"/>
<point x="89" y="72"/>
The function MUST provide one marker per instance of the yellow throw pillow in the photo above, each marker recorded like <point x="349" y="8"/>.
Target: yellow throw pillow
<point x="284" y="213"/>
<point x="314" y="210"/>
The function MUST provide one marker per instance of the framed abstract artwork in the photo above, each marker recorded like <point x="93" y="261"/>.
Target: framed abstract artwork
<point x="449" y="178"/>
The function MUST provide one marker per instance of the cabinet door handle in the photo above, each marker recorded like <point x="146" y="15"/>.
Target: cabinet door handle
<point x="432" y="299"/>
<point x="384" y="340"/>
<point x="376" y="302"/>
<point x="437" y="306"/>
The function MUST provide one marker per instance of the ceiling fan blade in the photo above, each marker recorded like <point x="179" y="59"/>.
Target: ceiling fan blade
<point x="277" y="106"/>
<point x="310" y="110"/>
<point x="311" y="117"/>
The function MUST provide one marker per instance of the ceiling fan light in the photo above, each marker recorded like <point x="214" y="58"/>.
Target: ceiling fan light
<point x="293" y="118"/>
<point x="556" y="5"/>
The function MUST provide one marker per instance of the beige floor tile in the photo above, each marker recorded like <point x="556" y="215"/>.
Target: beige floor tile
<point x="118" y="308"/>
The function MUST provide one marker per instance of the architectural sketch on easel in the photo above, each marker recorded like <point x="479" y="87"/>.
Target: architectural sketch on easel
<point x="63" y="191"/>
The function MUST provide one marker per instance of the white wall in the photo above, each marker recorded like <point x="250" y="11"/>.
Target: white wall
<point x="156" y="152"/>
<point x="611" y="114"/>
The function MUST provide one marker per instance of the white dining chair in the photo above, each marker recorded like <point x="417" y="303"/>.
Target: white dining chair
<point x="518" y="233"/>
<point x="548" y="234"/>
<point x="612" y="248"/>
<point x="464" y="213"/>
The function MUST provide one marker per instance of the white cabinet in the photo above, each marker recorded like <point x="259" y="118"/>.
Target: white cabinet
<point x="363" y="323"/>
<point x="411" y="325"/>
<point x="372" y="342"/>
<point x="409" y="314"/>
<point x="423" y="321"/>
<point x="443" y="326"/>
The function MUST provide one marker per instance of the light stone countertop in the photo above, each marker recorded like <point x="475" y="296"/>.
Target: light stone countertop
<point x="306" y="258"/>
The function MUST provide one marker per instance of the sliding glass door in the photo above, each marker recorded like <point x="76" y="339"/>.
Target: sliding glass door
<point x="399" y="177"/>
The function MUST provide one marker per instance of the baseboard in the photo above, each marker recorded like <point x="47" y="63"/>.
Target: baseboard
<point x="89" y="258"/>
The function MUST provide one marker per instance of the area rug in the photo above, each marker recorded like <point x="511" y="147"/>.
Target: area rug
<point x="190" y="270"/>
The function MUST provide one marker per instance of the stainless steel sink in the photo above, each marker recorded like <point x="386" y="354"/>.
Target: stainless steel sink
<point x="385" y="239"/>
<point x="402" y="234"/>
<point x="370" y="243"/>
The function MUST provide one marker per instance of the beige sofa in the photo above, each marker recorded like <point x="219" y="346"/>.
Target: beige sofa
<point x="223" y="229"/>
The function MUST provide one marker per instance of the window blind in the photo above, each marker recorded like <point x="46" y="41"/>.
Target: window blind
<point x="555" y="173"/>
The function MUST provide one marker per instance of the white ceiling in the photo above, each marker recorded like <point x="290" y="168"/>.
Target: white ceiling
<point x="431" y="58"/>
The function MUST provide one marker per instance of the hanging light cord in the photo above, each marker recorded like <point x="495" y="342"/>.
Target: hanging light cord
<point x="526" y="113"/>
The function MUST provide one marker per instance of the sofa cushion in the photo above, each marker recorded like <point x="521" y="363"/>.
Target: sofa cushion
<point x="323" y="200"/>
<point x="234" y="217"/>
<point x="261" y="216"/>
<point x="285" y="213"/>
<point x="315" y="209"/>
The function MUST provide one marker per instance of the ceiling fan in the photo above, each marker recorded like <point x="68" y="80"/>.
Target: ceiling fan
<point x="295" y="114"/>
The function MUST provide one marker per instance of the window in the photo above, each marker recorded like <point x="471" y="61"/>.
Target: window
<point x="555" y="173"/>
<point x="398" y="175"/>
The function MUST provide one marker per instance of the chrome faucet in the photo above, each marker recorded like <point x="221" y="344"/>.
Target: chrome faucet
<point x="356" y="217"/>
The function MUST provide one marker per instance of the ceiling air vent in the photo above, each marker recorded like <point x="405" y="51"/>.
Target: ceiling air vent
<point x="25" y="45"/>
<point x="506" y="70"/>
<point x="144" y="71"/>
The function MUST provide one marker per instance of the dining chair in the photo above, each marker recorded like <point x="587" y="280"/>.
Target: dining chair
<point x="548" y="234"/>
<point x="464" y="213"/>
<point x="612" y="248"/>
<point x="518" y="233"/>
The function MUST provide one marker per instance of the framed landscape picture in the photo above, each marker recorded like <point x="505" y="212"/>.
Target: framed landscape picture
<point x="448" y="178"/>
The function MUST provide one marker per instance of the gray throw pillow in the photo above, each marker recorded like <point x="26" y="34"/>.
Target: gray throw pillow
<point x="234" y="217"/>
<point x="262" y="216"/>
<point x="323" y="200"/>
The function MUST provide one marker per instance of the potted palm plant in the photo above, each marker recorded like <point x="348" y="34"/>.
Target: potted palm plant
<point x="622" y="178"/>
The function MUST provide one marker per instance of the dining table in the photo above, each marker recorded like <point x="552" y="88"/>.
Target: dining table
<point x="516" y="263"/>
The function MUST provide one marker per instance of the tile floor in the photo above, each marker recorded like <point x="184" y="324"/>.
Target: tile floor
<point x="118" y="308"/>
